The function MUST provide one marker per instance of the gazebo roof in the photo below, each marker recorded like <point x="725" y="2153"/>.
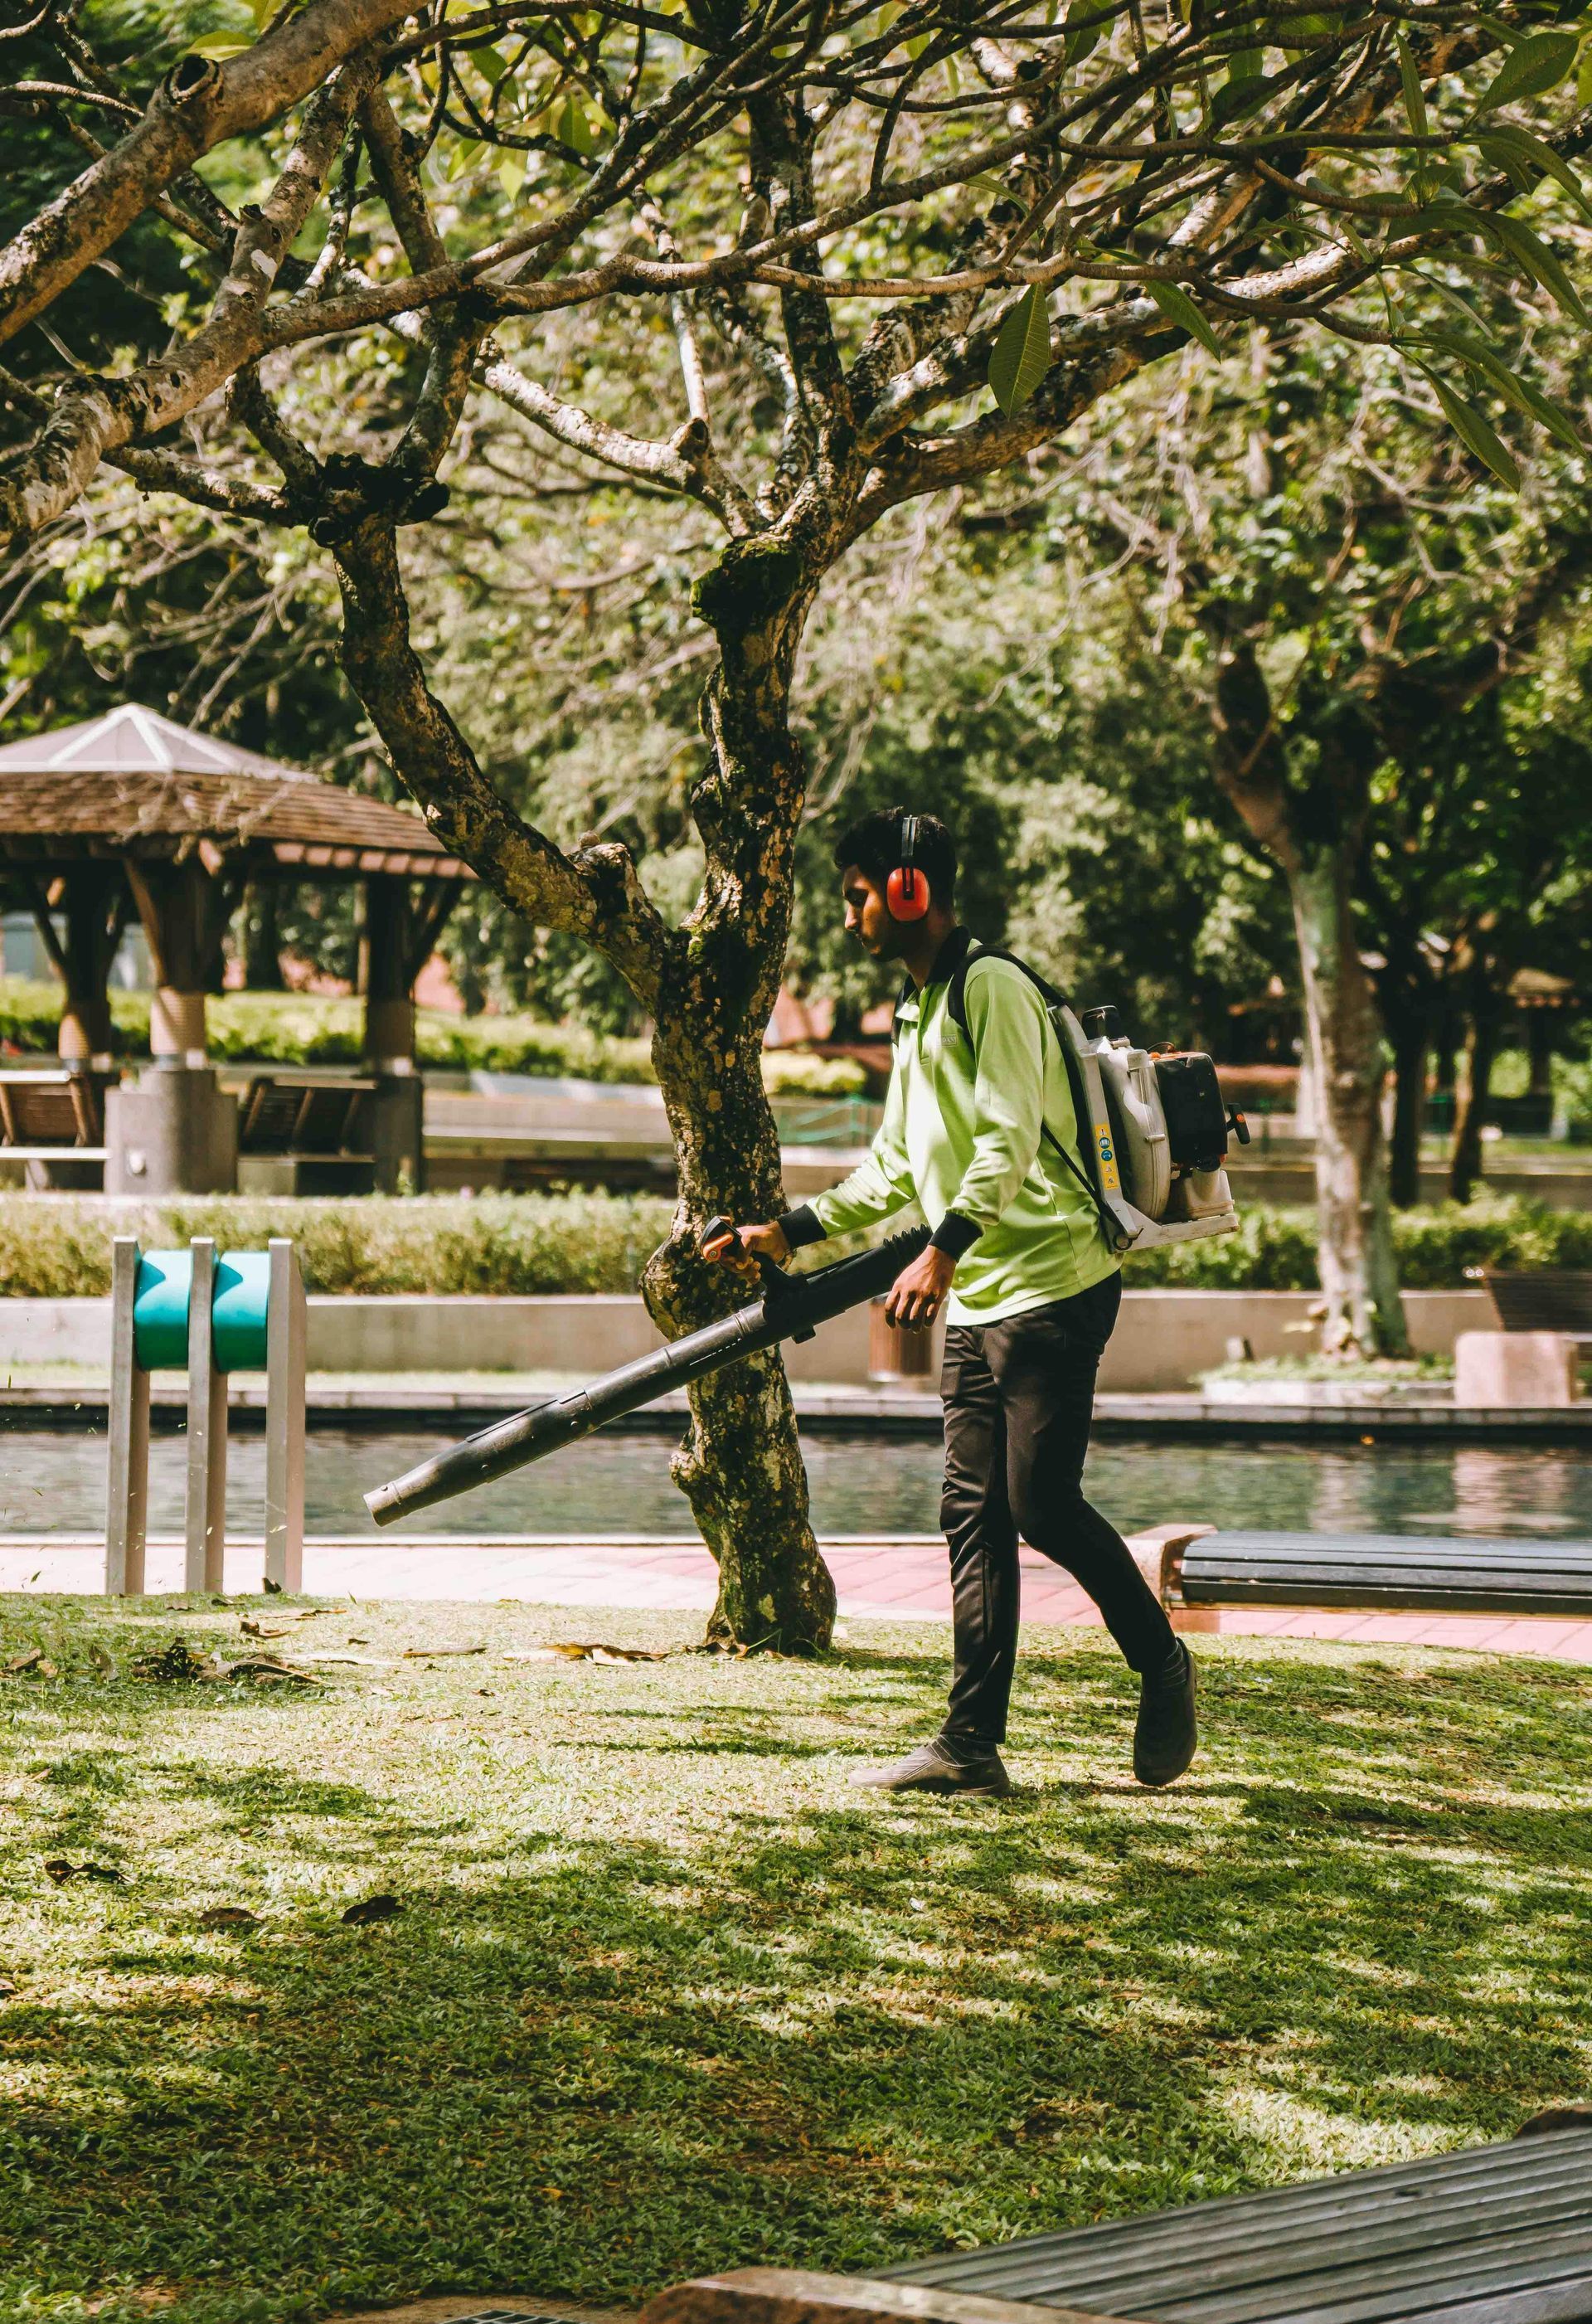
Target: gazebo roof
<point x="134" y="783"/>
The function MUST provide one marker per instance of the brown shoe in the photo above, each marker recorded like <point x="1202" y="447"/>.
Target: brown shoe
<point x="932" y="1767"/>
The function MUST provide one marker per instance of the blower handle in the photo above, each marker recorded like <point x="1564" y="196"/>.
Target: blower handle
<point x="719" y="1229"/>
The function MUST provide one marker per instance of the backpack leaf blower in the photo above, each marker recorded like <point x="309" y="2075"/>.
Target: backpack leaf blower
<point x="1153" y="1125"/>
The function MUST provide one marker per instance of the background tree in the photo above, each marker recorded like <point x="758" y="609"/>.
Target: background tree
<point x="1348" y="591"/>
<point x="850" y="217"/>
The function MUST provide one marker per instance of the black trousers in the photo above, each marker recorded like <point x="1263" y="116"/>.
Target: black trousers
<point x="1018" y="1398"/>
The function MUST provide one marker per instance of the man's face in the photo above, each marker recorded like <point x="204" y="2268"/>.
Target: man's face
<point x="868" y="915"/>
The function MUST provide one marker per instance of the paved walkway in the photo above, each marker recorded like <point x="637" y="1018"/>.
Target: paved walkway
<point x="902" y="1579"/>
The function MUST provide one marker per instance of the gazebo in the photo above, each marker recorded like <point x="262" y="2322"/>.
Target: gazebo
<point x="132" y="815"/>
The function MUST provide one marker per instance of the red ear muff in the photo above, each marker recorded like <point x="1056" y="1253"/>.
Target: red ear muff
<point x="907" y="893"/>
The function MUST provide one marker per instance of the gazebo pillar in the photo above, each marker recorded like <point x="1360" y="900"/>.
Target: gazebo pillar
<point x="176" y="1132"/>
<point x="90" y="900"/>
<point x="388" y="971"/>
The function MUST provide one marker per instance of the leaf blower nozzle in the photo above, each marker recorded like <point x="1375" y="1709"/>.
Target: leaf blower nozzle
<point x="791" y="1307"/>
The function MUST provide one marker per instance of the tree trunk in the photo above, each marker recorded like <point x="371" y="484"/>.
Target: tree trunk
<point x="1481" y="1047"/>
<point x="1359" y="1275"/>
<point x="709" y="986"/>
<point x="1410" y="1048"/>
<point x="740" y="1465"/>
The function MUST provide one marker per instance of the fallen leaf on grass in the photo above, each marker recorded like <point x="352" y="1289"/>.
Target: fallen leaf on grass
<point x="425" y="1654"/>
<point x="258" y="1630"/>
<point x="570" y="1651"/>
<point x="360" y="1661"/>
<point x="229" y="1916"/>
<point x="32" y="1663"/>
<point x="372" y="1908"/>
<point x="175" y="1663"/>
<point x="266" y="1666"/>
<point x="9" y="1988"/>
<point x="103" y="1663"/>
<point x="61" y="1871"/>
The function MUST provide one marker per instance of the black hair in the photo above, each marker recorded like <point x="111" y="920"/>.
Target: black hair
<point x="874" y="845"/>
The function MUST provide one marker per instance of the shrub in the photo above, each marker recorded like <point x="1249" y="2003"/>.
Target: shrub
<point x="1438" y="1248"/>
<point x="795" y="1072"/>
<point x="1572" y="1089"/>
<point x="58" y="1246"/>
<point x="30" y="1012"/>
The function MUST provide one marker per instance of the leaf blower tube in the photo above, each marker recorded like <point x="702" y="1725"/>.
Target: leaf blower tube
<point x="792" y="1307"/>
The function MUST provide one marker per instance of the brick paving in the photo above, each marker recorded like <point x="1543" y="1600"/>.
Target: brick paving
<point x="901" y="1579"/>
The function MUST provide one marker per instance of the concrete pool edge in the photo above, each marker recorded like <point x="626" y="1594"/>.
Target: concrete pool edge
<point x="821" y="1410"/>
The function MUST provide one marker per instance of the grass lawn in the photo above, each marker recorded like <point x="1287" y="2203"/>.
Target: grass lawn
<point x="666" y="1996"/>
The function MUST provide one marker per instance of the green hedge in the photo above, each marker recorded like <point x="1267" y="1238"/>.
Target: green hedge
<point x="1438" y="1248"/>
<point x="58" y="1246"/>
<point x="308" y="1029"/>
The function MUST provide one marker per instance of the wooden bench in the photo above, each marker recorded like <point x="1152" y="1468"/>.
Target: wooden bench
<point x="281" y="1114"/>
<point x="323" y="1132"/>
<point x="1429" y="1573"/>
<point x="1493" y="2235"/>
<point x="53" y="1121"/>
<point x="1542" y="1299"/>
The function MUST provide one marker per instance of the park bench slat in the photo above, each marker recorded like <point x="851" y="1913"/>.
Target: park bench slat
<point x="1494" y="2235"/>
<point x="1471" y="1575"/>
<point x="1542" y="1299"/>
<point x="1420" y="1550"/>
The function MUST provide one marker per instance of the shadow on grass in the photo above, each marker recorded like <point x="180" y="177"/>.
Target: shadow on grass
<point x="786" y="2029"/>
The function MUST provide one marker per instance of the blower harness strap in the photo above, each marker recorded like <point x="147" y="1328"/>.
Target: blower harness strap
<point x="1054" y="1000"/>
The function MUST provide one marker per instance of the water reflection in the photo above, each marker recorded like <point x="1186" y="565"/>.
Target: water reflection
<point x="54" y="1482"/>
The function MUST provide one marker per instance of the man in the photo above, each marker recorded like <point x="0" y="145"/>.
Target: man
<point x="977" y="1130"/>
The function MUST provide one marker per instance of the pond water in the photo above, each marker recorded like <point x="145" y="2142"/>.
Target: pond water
<point x="53" y="1482"/>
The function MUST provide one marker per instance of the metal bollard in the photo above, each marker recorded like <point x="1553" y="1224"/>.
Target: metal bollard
<point x="213" y="1314"/>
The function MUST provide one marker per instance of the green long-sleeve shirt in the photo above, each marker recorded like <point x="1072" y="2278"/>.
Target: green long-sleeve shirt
<point x="962" y="1136"/>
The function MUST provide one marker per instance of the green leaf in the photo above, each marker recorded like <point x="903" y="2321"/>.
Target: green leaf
<point x="1533" y="254"/>
<point x="1508" y="36"/>
<point x="1085" y="21"/>
<point x="1475" y="430"/>
<point x="1235" y="98"/>
<point x="1248" y="64"/>
<point x="1537" y="64"/>
<point x="491" y="63"/>
<point x="1178" y="308"/>
<point x="1507" y="143"/>
<point x="1519" y="391"/>
<point x="1020" y="356"/>
<point x="1414" y="100"/>
<point x="574" y="125"/>
<point x="219" y="46"/>
<point x="511" y="169"/>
